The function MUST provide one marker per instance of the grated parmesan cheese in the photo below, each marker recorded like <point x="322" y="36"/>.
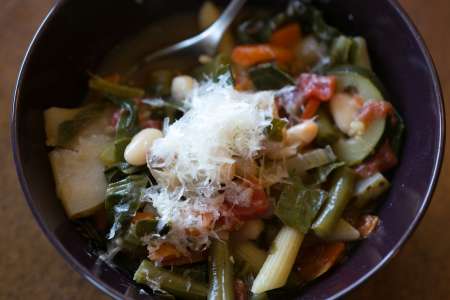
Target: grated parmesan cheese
<point x="196" y="158"/>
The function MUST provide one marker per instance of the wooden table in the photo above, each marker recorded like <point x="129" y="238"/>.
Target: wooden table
<point x="31" y="269"/>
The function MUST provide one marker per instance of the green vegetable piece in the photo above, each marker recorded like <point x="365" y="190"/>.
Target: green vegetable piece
<point x="269" y="77"/>
<point x="369" y="189"/>
<point x="159" y="278"/>
<point x="220" y="65"/>
<point x="328" y="133"/>
<point x="123" y="199"/>
<point x="311" y="20"/>
<point x="354" y="150"/>
<point x="220" y="272"/>
<point x="108" y="88"/>
<point x="275" y="130"/>
<point x="340" y="50"/>
<point x="364" y="72"/>
<point x="68" y="130"/>
<point x="145" y="227"/>
<point x="343" y="183"/>
<point x="359" y="55"/>
<point x="321" y="174"/>
<point x="298" y="205"/>
<point x="310" y="160"/>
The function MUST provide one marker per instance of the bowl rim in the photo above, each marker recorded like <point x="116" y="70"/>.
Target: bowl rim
<point x="109" y="290"/>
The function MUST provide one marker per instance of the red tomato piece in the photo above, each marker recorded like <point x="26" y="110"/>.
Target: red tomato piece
<point x="373" y="111"/>
<point x="384" y="160"/>
<point x="316" y="86"/>
<point x="259" y="205"/>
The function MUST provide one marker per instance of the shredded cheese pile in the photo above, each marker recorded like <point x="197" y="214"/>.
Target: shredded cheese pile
<point x="195" y="160"/>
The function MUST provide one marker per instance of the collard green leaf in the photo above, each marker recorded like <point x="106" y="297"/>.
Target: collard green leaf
<point x="298" y="205"/>
<point x="217" y="67"/>
<point x="123" y="199"/>
<point x="269" y="77"/>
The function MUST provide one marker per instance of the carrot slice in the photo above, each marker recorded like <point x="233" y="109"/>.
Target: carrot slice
<point x="143" y="216"/>
<point x="250" y="55"/>
<point x="311" y="108"/>
<point x="287" y="36"/>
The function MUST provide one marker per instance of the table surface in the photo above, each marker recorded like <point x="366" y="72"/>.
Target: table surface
<point x="31" y="268"/>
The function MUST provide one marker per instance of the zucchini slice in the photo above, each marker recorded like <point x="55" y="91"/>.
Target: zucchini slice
<point x="355" y="149"/>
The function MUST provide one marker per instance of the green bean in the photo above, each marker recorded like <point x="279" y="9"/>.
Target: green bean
<point x="177" y="285"/>
<point x="328" y="133"/>
<point x="359" y="54"/>
<point x="113" y="89"/>
<point x="340" y="194"/>
<point x="220" y="272"/>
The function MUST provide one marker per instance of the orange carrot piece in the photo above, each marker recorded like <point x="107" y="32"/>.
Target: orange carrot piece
<point x="311" y="108"/>
<point x="249" y="55"/>
<point x="143" y="216"/>
<point x="287" y="36"/>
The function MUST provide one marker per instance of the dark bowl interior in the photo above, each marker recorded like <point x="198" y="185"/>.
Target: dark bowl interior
<point x="77" y="34"/>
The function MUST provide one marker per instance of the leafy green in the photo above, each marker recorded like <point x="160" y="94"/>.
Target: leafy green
<point x="123" y="199"/>
<point x="218" y="66"/>
<point x="269" y="77"/>
<point x="161" y="109"/>
<point x="311" y="20"/>
<point x="108" y="88"/>
<point x="275" y="130"/>
<point x="121" y="170"/>
<point x="68" y="130"/>
<point x="298" y="204"/>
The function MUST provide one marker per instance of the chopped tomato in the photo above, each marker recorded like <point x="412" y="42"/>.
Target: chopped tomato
<point x="311" y="108"/>
<point x="259" y="205"/>
<point x="384" y="160"/>
<point x="249" y="55"/>
<point x="240" y="290"/>
<point x="315" y="260"/>
<point x="374" y="110"/>
<point x="318" y="87"/>
<point x="287" y="36"/>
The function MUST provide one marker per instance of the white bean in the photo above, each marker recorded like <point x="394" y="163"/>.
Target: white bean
<point x="136" y="151"/>
<point x="182" y="86"/>
<point x="344" y="109"/>
<point x="302" y="134"/>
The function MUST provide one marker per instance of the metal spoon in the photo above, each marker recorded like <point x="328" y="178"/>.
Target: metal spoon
<point x="205" y="42"/>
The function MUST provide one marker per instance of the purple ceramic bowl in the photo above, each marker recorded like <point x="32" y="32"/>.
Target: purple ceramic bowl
<point x="77" y="34"/>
